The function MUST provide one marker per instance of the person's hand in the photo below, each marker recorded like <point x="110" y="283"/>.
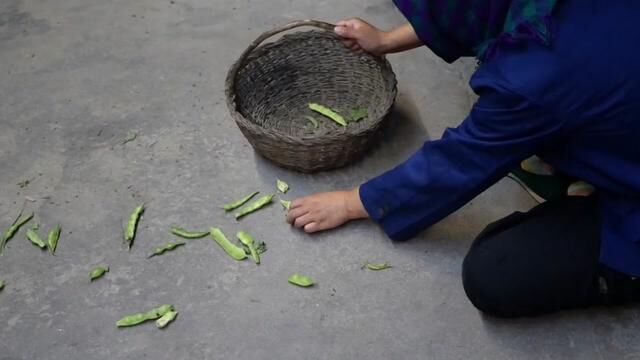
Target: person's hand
<point x="360" y="36"/>
<point x="326" y="211"/>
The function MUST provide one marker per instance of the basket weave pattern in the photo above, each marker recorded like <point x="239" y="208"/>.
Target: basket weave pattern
<point x="269" y="89"/>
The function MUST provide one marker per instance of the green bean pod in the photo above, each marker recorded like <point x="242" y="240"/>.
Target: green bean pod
<point x="13" y="229"/>
<point x="135" y="319"/>
<point x="282" y="186"/>
<point x="358" y="114"/>
<point x="132" y="320"/>
<point x="98" y="272"/>
<point x="247" y="240"/>
<point x="255" y="206"/>
<point x="377" y="267"/>
<point x="231" y="249"/>
<point x="301" y="280"/>
<point x="33" y="236"/>
<point x="132" y="225"/>
<point x="260" y="247"/>
<point x="285" y="204"/>
<point x="167" y="318"/>
<point x="236" y="204"/>
<point x="130" y="137"/>
<point x="178" y="231"/>
<point x="165" y="248"/>
<point x="328" y="113"/>
<point x="52" y="239"/>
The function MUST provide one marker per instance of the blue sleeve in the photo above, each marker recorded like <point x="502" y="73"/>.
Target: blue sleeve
<point x="502" y="129"/>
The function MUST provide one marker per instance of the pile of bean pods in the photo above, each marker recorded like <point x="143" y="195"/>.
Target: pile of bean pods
<point x="31" y="234"/>
<point x="245" y="248"/>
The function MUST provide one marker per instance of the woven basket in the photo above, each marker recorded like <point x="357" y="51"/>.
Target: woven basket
<point x="269" y="89"/>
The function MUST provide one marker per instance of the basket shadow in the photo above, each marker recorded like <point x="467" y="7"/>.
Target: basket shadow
<point x="404" y="134"/>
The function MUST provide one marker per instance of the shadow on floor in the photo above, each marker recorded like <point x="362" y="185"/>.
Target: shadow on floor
<point x="404" y="134"/>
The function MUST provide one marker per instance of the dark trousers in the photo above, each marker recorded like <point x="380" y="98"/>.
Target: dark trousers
<point x="543" y="261"/>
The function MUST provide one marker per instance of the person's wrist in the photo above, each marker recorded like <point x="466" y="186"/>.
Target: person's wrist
<point x="385" y="43"/>
<point x="354" y="206"/>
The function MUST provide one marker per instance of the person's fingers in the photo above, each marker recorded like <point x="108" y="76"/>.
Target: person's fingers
<point x="342" y="31"/>
<point x="311" y="227"/>
<point x="296" y="213"/>
<point x="349" y="42"/>
<point x="352" y="22"/>
<point x="355" y="26"/>
<point x="296" y="203"/>
<point x="352" y="45"/>
<point x="302" y="221"/>
<point x="347" y="22"/>
<point x="346" y="28"/>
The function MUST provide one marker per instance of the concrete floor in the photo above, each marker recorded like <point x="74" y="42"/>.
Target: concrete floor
<point x="77" y="76"/>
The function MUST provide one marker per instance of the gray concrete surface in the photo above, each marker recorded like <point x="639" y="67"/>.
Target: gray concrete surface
<point x="77" y="76"/>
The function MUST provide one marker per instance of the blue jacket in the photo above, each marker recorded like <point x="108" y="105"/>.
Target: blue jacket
<point x="576" y="104"/>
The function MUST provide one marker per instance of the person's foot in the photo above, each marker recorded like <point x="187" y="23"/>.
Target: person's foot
<point x="324" y="211"/>
<point x="543" y="183"/>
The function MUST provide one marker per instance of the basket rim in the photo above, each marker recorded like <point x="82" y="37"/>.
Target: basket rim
<point x="242" y="121"/>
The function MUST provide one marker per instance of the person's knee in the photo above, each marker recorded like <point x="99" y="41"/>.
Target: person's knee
<point x="474" y="281"/>
<point x="487" y="289"/>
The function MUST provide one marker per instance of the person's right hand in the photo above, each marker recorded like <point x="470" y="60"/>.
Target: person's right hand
<point x="360" y="36"/>
<point x="325" y="211"/>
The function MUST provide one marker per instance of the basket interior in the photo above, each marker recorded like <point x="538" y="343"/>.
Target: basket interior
<point x="280" y="79"/>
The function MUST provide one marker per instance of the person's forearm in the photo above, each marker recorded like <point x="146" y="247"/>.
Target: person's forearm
<point x="400" y="39"/>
